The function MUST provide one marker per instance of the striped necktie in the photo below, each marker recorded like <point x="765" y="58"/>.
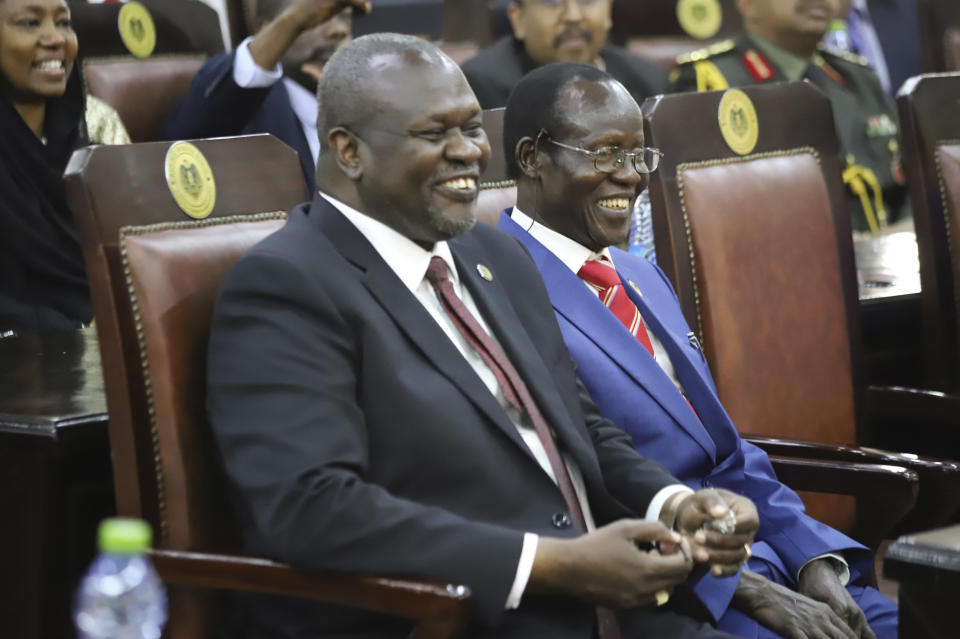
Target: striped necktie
<point x="603" y="278"/>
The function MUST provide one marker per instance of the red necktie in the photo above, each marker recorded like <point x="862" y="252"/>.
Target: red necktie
<point x="517" y="395"/>
<point x="603" y="277"/>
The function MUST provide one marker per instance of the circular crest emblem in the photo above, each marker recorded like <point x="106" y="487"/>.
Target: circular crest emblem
<point x="190" y="180"/>
<point x="701" y="19"/>
<point x="738" y="121"/>
<point x="136" y="29"/>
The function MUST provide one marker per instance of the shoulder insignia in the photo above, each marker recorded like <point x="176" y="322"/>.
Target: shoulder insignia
<point x="702" y="54"/>
<point x="760" y="70"/>
<point x="849" y="57"/>
<point x="709" y="77"/>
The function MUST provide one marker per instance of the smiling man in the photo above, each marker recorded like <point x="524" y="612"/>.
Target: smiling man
<point x="390" y="394"/>
<point x="546" y="31"/>
<point x="780" y="44"/>
<point x="268" y="84"/>
<point x="573" y="139"/>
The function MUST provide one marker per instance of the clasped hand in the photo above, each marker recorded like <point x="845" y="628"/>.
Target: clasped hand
<point x="724" y="552"/>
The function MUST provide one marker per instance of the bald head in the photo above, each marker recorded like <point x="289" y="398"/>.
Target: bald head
<point x="358" y="80"/>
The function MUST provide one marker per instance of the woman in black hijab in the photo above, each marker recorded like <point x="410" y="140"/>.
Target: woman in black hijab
<point x="43" y="284"/>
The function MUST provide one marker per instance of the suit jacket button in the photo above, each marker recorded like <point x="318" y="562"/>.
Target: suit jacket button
<point x="561" y="520"/>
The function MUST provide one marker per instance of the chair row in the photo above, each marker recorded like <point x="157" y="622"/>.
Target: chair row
<point x="761" y="262"/>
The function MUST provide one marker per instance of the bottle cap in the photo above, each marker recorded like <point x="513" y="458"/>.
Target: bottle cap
<point x="838" y="25"/>
<point x="124" y="536"/>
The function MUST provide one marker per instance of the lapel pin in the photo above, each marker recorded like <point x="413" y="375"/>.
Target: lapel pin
<point x="694" y="341"/>
<point x="484" y="272"/>
<point x="636" y="288"/>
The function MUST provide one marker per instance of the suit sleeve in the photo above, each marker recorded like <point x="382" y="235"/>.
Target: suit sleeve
<point x="214" y="104"/>
<point x="284" y="409"/>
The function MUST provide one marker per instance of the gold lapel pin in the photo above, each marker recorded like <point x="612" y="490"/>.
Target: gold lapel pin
<point x="484" y="272"/>
<point x="636" y="288"/>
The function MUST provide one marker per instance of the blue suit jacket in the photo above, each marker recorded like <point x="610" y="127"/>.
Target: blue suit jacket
<point x="632" y="390"/>
<point x="216" y="106"/>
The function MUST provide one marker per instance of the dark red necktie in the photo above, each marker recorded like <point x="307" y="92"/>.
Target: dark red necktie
<point x="517" y="395"/>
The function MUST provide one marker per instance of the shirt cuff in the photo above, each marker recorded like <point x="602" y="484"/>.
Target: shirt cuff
<point x="839" y="564"/>
<point x="524" y="568"/>
<point x="665" y="493"/>
<point x="248" y="74"/>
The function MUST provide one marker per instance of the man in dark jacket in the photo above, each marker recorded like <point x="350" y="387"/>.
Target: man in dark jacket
<point x="268" y="83"/>
<point x="546" y="31"/>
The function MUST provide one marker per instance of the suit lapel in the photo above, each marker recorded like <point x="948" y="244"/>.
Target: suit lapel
<point x="498" y="312"/>
<point x="698" y="389"/>
<point x="573" y="301"/>
<point x="410" y="315"/>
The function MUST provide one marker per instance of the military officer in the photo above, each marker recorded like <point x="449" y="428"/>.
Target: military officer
<point x="780" y="44"/>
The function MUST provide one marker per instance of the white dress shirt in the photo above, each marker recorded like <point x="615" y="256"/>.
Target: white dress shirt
<point x="249" y="75"/>
<point x="410" y="261"/>
<point x="574" y="255"/>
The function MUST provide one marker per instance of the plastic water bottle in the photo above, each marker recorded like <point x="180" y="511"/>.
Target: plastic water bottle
<point x="640" y="238"/>
<point x="837" y="37"/>
<point x="121" y="596"/>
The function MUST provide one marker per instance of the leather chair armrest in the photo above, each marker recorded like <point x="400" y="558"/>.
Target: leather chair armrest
<point x="938" y="500"/>
<point x="441" y="610"/>
<point x="915" y="404"/>
<point x="884" y="493"/>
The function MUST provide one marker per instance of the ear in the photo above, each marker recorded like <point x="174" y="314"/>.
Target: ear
<point x="345" y="148"/>
<point x="526" y="157"/>
<point x="515" y="13"/>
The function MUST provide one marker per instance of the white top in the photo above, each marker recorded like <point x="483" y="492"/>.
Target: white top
<point x="247" y="74"/>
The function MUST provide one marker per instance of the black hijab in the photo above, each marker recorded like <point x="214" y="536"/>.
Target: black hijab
<point x="43" y="283"/>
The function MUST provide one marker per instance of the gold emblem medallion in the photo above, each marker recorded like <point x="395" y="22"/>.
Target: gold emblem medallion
<point x="738" y="121"/>
<point x="190" y="180"/>
<point x="484" y="272"/>
<point x="136" y="29"/>
<point x="701" y="19"/>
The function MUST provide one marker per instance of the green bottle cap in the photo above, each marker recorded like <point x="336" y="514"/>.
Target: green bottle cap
<point x="124" y="536"/>
<point x="838" y="25"/>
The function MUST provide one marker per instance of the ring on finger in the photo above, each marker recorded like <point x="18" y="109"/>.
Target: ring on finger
<point x="662" y="597"/>
<point x="749" y="553"/>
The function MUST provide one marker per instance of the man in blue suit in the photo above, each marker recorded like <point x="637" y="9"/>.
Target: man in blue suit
<point x="573" y="138"/>
<point x="268" y="83"/>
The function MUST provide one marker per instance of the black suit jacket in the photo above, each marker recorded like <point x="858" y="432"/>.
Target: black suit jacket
<point x="494" y="72"/>
<point x="357" y="438"/>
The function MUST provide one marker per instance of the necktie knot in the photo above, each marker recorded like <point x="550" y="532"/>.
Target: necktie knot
<point x="599" y="274"/>
<point x="437" y="272"/>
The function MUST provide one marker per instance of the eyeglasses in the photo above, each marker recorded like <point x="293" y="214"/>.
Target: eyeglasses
<point x="556" y="4"/>
<point x="610" y="159"/>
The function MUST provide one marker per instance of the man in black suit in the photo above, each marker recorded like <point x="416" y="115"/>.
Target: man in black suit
<point x="363" y="431"/>
<point x="546" y="31"/>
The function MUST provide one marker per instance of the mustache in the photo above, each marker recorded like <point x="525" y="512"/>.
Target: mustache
<point x="574" y="30"/>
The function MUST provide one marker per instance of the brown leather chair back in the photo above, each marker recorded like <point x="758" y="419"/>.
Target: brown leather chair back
<point x="664" y="50"/>
<point x="142" y="91"/>
<point x="759" y="250"/>
<point x="951" y="49"/>
<point x="154" y="273"/>
<point x="929" y="108"/>
<point x="658" y="18"/>
<point x="182" y="26"/>
<point x="497" y="191"/>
